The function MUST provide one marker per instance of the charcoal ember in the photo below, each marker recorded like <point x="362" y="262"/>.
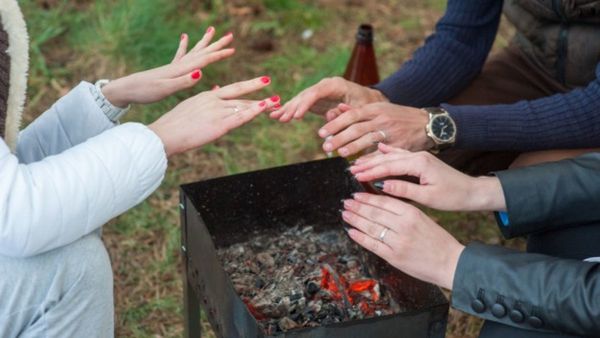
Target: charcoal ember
<point x="286" y="324"/>
<point x="303" y="278"/>
<point x="312" y="288"/>
<point x="265" y="259"/>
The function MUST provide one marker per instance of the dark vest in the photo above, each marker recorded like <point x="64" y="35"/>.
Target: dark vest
<point x="560" y="36"/>
<point x="4" y="78"/>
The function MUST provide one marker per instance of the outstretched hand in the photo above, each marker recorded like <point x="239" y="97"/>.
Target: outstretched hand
<point x="209" y="115"/>
<point x="440" y="186"/>
<point x="183" y="72"/>
<point x="405" y="237"/>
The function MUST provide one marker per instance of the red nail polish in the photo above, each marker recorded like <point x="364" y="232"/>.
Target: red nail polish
<point x="277" y="106"/>
<point x="210" y="30"/>
<point x="262" y="104"/>
<point x="196" y="74"/>
<point x="182" y="36"/>
<point x="265" y="79"/>
<point x="275" y="98"/>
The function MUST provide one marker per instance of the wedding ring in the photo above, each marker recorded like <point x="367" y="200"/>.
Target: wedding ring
<point x="382" y="235"/>
<point x="383" y="134"/>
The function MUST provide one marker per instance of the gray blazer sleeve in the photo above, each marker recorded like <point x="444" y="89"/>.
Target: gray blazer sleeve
<point x="553" y="195"/>
<point x="528" y="291"/>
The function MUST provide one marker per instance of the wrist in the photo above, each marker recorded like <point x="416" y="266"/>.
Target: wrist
<point x="486" y="194"/>
<point x="162" y="132"/>
<point x="115" y="94"/>
<point x="451" y="264"/>
<point x="377" y="96"/>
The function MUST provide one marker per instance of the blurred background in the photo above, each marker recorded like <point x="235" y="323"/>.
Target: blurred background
<point x="297" y="43"/>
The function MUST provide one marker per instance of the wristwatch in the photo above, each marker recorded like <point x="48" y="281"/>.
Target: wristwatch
<point x="111" y="111"/>
<point x="441" y="128"/>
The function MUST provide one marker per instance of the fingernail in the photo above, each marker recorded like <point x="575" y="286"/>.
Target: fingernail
<point x="277" y="106"/>
<point x="341" y="211"/>
<point x="262" y="104"/>
<point x="182" y="36"/>
<point x="352" y="163"/>
<point x="348" y="170"/>
<point x="348" y="204"/>
<point x="343" y="200"/>
<point x="196" y="74"/>
<point x="343" y="151"/>
<point x="215" y="87"/>
<point x="323" y="133"/>
<point x="229" y="34"/>
<point x="379" y="185"/>
<point x="328" y="147"/>
<point x="275" y="98"/>
<point x="210" y="30"/>
<point x="265" y="79"/>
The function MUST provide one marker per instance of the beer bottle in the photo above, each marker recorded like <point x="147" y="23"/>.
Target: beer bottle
<point x="362" y="68"/>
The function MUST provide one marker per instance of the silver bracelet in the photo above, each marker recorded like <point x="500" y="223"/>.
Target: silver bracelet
<point x="111" y="111"/>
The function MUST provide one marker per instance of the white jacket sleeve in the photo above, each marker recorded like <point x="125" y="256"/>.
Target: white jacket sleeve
<point x="70" y="121"/>
<point x="53" y="202"/>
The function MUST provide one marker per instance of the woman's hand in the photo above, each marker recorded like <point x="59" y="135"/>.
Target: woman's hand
<point x="209" y="115"/>
<point x="183" y="72"/>
<point x="440" y="186"/>
<point x="403" y="236"/>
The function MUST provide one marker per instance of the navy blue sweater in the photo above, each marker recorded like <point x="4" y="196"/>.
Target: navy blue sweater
<point x="454" y="55"/>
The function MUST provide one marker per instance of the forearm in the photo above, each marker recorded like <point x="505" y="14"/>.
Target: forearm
<point x="562" y="294"/>
<point x="50" y="203"/>
<point x="450" y="58"/>
<point x="562" y="121"/>
<point x="553" y="195"/>
<point x="70" y="121"/>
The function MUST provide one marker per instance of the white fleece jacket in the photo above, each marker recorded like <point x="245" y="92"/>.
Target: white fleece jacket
<point x="74" y="170"/>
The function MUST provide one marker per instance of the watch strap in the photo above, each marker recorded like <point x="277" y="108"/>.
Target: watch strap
<point x="111" y="111"/>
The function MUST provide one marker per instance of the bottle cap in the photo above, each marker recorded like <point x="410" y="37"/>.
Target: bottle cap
<point x="365" y="33"/>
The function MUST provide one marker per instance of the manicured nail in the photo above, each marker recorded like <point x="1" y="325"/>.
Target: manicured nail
<point x="348" y="204"/>
<point x="275" y="98"/>
<point x="341" y="211"/>
<point x="196" y="74"/>
<point x="210" y="30"/>
<point x="323" y="133"/>
<point x="262" y="104"/>
<point x="328" y="147"/>
<point x="379" y="185"/>
<point x="182" y="36"/>
<point x="277" y="106"/>
<point x="265" y="79"/>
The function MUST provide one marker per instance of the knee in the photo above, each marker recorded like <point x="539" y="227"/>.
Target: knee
<point x="89" y="266"/>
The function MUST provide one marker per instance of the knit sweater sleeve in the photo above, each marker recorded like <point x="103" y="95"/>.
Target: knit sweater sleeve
<point x="450" y="58"/>
<point x="561" y="121"/>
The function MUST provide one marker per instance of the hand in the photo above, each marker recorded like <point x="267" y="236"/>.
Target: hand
<point x="358" y="129"/>
<point x="183" y="72"/>
<point x="323" y="98"/>
<point x="209" y="115"/>
<point x="441" y="186"/>
<point x="413" y="242"/>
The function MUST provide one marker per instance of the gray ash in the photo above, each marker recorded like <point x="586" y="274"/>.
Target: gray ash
<point x="302" y="278"/>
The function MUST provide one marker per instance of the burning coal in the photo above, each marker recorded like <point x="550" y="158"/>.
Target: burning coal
<point x="301" y="278"/>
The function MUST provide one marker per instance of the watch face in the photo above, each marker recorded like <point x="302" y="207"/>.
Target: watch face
<point x="443" y="128"/>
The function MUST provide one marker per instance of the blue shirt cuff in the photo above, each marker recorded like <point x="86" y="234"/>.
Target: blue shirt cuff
<point x="504" y="218"/>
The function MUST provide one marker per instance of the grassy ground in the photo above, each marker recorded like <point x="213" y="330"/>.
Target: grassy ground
<point x="86" y="39"/>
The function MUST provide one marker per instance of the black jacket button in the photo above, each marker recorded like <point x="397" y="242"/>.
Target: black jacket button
<point x="535" y="322"/>
<point x="516" y="316"/>
<point x="478" y="305"/>
<point x="498" y="310"/>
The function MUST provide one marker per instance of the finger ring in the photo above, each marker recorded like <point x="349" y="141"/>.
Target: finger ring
<point x="383" y="134"/>
<point x="382" y="235"/>
<point x="236" y="109"/>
